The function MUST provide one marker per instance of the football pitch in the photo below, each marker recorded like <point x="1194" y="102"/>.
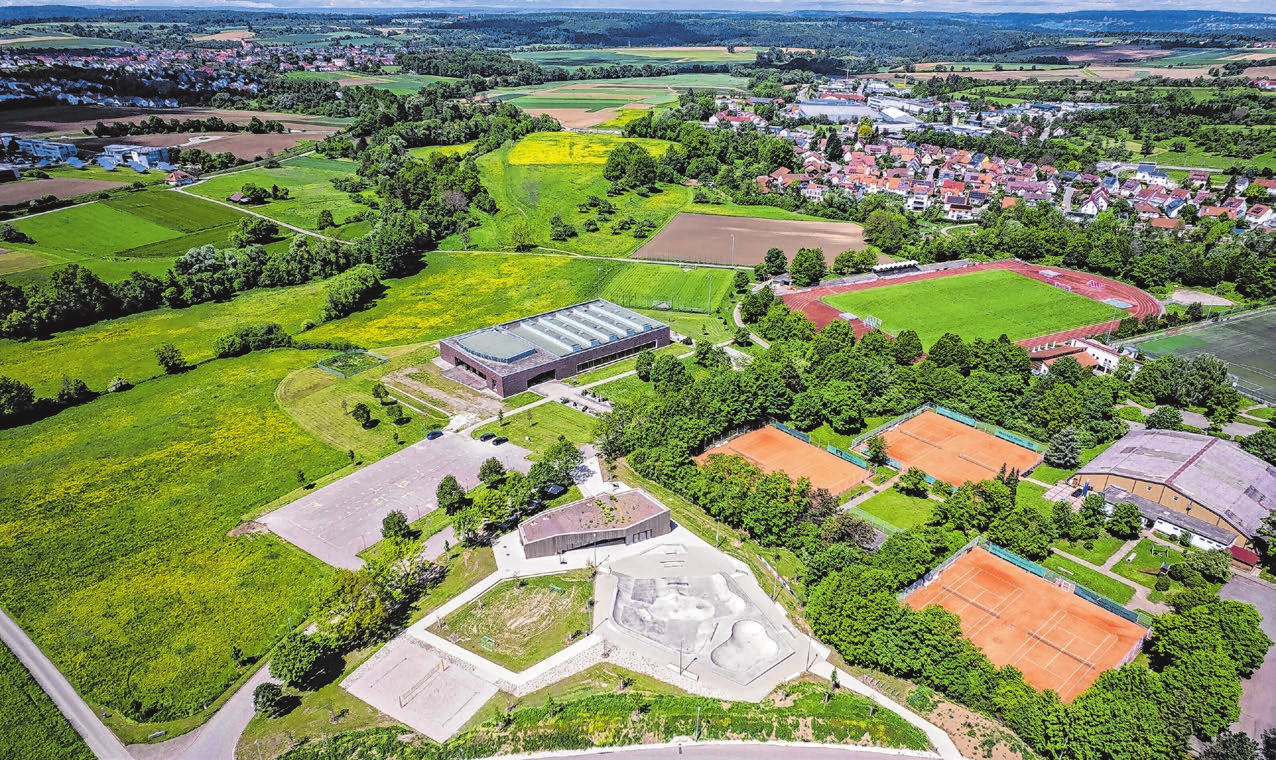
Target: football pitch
<point x="977" y="305"/>
<point x="1245" y="343"/>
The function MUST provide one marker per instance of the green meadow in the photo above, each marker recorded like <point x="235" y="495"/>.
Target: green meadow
<point x="114" y="523"/>
<point x="141" y="231"/>
<point x="308" y="181"/>
<point x="546" y="175"/>
<point x="30" y="724"/>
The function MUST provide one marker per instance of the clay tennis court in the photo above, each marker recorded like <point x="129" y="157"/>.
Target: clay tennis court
<point x="772" y="450"/>
<point x="953" y="452"/>
<point x="1057" y="639"/>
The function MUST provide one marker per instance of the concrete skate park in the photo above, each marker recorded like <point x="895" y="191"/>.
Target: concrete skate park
<point x="672" y="607"/>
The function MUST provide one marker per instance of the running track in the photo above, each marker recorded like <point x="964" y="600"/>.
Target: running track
<point x="809" y="303"/>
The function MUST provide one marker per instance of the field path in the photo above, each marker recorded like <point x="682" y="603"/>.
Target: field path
<point x="81" y="717"/>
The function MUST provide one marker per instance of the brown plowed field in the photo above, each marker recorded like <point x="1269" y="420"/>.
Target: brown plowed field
<point x="12" y="193"/>
<point x="242" y="144"/>
<point x="64" y="119"/>
<point x="1057" y="639"/>
<point x="706" y="239"/>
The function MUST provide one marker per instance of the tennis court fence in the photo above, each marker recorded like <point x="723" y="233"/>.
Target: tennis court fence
<point x="1134" y="616"/>
<point x="798" y="434"/>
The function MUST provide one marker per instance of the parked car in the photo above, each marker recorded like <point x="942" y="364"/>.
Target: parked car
<point x="434" y="434"/>
<point x="498" y="440"/>
<point x="487" y="436"/>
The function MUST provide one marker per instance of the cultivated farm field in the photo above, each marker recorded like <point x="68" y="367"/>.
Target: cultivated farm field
<point x="707" y="238"/>
<point x="399" y="84"/>
<point x="638" y="56"/>
<point x="596" y="102"/>
<point x="72" y="120"/>
<point x="144" y="231"/>
<point x="982" y="304"/>
<point x="14" y="193"/>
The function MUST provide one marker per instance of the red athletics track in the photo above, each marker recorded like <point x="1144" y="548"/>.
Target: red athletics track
<point x="809" y="303"/>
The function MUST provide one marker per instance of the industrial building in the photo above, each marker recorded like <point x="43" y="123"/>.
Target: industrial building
<point x="509" y="358"/>
<point x="1190" y="483"/>
<point x="620" y="518"/>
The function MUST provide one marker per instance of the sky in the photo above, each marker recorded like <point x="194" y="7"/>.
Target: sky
<point x="780" y="6"/>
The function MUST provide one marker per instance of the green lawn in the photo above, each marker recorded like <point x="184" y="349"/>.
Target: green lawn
<point x="899" y="509"/>
<point x="1033" y="495"/>
<point x="94" y="229"/>
<point x="522" y="399"/>
<point x="538" y="427"/>
<point x="977" y="305"/>
<point x="141" y="231"/>
<point x="30" y="724"/>
<point x="1103" y="550"/>
<point x="518" y="623"/>
<point x="1101" y="584"/>
<point x="307" y="180"/>
<point x="1148" y="555"/>
<point x="695" y="326"/>
<point x="318" y="401"/>
<point x="116" y="556"/>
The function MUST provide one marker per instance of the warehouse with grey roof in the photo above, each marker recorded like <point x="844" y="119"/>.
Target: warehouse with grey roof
<point x="509" y="358"/>
<point x="1182" y="482"/>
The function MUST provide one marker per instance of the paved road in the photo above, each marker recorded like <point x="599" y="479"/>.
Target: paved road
<point x="99" y="738"/>
<point x="216" y="739"/>
<point x="1258" y="702"/>
<point x="737" y="751"/>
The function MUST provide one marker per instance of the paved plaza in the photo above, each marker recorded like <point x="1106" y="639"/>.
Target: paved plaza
<point x="340" y="520"/>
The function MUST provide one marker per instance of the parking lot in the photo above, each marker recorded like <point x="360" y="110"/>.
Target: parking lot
<point x="1258" y="702"/>
<point x="340" y="520"/>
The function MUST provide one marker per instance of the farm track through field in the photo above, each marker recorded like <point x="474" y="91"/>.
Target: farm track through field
<point x="809" y="301"/>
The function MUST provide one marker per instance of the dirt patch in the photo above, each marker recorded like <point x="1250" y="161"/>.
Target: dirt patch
<point x="14" y="193"/>
<point x="66" y="119"/>
<point x="243" y="144"/>
<point x="976" y="735"/>
<point x="705" y="238"/>
<point x="576" y="118"/>
<point x="1260" y="72"/>
<point x="1109" y="53"/>
<point x="235" y="35"/>
<point x="427" y="382"/>
<point x="248" y="528"/>
<point x="1184" y="296"/>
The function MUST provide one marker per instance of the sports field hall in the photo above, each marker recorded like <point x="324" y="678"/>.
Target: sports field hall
<point x="952" y="451"/>
<point x="772" y="450"/>
<point x="1057" y="639"/>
